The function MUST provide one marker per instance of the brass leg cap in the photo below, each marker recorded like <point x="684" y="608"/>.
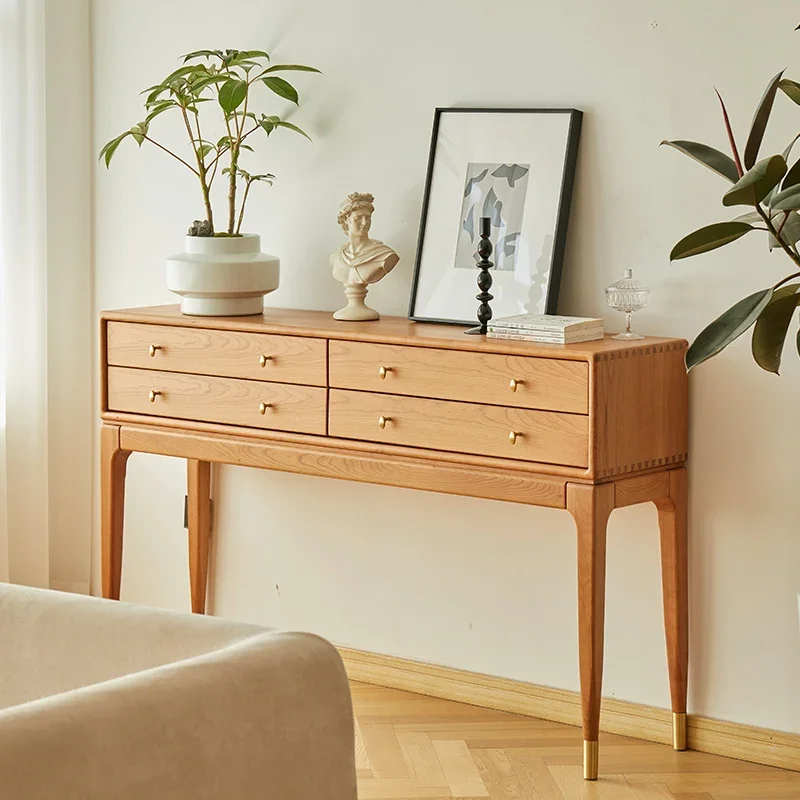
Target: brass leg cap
<point x="590" y="760"/>
<point x="679" y="730"/>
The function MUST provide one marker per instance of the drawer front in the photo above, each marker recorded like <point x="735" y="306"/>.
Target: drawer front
<point x="299" y="409"/>
<point x="228" y="354"/>
<point x="543" y="436"/>
<point x="542" y="383"/>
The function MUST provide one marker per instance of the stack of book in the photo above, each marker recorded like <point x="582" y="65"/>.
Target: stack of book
<point x="546" y="328"/>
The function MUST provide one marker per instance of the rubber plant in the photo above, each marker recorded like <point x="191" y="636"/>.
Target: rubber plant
<point x="770" y="188"/>
<point x="229" y="79"/>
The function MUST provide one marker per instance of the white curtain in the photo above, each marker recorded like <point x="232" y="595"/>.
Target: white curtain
<point x="23" y="330"/>
<point x="46" y="354"/>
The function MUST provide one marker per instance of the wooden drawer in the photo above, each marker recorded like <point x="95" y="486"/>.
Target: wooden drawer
<point x="543" y="436"/>
<point x="300" y="409"/>
<point x="543" y="383"/>
<point x="229" y="354"/>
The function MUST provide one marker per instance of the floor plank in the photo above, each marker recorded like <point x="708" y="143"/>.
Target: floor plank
<point x="411" y="747"/>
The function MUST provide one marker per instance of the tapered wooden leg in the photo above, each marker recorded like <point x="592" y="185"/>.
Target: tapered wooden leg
<point x="591" y="507"/>
<point x="672" y="519"/>
<point x="199" y="482"/>
<point x="113" y="462"/>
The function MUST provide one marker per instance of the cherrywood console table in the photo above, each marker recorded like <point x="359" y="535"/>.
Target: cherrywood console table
<point x="587" y="427"/>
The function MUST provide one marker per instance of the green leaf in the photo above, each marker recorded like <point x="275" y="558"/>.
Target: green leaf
<point x="709" y="157"/>
<point x="709" y="238"/>
<point x="788" y="199"/>
<point x="181" y="72"/>
<point x="760" y="120"/>
<point x="107" y="153"/>
<point x="267" y="125"/>
<point x="283" y="124"/>
<point x="792" y="178"/>
<point x="139" y="132"/>
<point x="232" y="94"/>
<point x="282" y="88"/>
<point x="159" y="108"/>
<point x="791" y="89"/>
<point x="772" y="326"/>
<point x="204" y="150"/>
<point x="726" y="328"/>
<point x="291" y="67"/>
<point x="756" y="183"/>
<point x="207" y="80"/>
<point x="786" y="153"/>
<point x="202" y="53"/>
<point x="254" y="54"/>
<point x="790" y="228"/>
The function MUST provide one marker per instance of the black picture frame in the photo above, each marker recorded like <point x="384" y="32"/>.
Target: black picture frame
<point x="564" y="203"/>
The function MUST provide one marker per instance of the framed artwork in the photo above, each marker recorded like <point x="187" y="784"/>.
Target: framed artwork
<point x="515" y="166"/>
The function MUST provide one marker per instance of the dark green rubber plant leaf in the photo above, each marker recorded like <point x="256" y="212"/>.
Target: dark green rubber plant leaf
<point x="772" y="325"/>
<point x="709" y="157"/>
<point x="791" y="89"/>
<point x="787" y="200"/>
<point x="727" y="327"/>
<point x="709" y="238"/>
<point x="756" y="183"/>
<point x="760" y="119"/>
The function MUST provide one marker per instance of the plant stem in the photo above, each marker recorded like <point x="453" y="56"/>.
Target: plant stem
<point x="771" y="228"/>
<point x="201" y="168"/>
<point x="244" y="201"/>
<point x="166" y="150"/>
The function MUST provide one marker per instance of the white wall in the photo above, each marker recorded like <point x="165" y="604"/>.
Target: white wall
<point x="477" y="584"/>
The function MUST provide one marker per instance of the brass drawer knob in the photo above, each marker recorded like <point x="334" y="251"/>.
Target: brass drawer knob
<point x="383" y="371"/>
<point x="513" y="436"/>
<point x="154" y="348"/>
<point x="514" y="383"/>
<point x="263" y="360"/>
<point x="153" y="394"/>
<point x="382" y="421"/>
<point x="262" y="408"/>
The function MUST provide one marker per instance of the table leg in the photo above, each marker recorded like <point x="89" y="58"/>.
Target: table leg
<point x="591" y="507"/>
<point x="199" y="502"/>
<point x="672" y="520"/>
<point x="113" y="461"/>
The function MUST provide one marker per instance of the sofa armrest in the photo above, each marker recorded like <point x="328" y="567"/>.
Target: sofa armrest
<point x="269" y="717"/>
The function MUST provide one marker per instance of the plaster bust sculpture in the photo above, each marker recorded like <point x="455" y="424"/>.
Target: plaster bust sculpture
<point x="361" y="261"/>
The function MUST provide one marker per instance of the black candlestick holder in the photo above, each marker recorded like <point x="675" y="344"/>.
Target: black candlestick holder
<point x="484" y="277"/>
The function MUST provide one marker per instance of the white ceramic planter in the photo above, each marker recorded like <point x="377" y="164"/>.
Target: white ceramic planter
<point x="223" y="277"/>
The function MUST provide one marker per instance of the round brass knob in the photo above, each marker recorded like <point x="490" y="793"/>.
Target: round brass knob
<point x="513" y="436"/>
<point x="153" y="394"/>
<point x="513" y="384"/>
<point x="153" y="349"/>
<point x="382" y="372"/>
<point x="382" y="421"/>
<point x="263" y="360"/>
<point x="262" y="408"/>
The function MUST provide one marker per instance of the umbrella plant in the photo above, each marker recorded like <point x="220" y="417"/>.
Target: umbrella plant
<point x="769" y="187"/>
<point x="229" y="79"/>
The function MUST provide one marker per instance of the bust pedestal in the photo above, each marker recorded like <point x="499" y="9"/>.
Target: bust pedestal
<point x="356" y="309"/>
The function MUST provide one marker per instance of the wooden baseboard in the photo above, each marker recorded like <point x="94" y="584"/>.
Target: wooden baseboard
<point x="731" y="739"/>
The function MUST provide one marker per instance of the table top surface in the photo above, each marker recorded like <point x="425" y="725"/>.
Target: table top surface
<point x="388" y="330"/>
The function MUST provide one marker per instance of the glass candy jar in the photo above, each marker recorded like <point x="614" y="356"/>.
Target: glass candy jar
<point x="627" y="295"/>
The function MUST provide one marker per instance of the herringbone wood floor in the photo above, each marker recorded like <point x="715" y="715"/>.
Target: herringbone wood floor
<point x="410" y="747"/>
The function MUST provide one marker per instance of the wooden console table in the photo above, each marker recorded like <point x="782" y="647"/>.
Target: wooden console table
<point x="587" y="427"/>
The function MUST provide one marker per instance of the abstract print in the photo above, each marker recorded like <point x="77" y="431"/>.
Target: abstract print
<point x="496" y="191"/>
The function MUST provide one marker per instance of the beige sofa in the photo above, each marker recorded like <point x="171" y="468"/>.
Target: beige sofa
<point x="116" y="702"/>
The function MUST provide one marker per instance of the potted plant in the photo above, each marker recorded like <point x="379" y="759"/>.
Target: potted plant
<point x="221" y="272"/>
<point x="770" y="188"/>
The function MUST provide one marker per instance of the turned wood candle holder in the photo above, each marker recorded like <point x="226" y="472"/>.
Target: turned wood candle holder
<point x="484" y="278"/>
